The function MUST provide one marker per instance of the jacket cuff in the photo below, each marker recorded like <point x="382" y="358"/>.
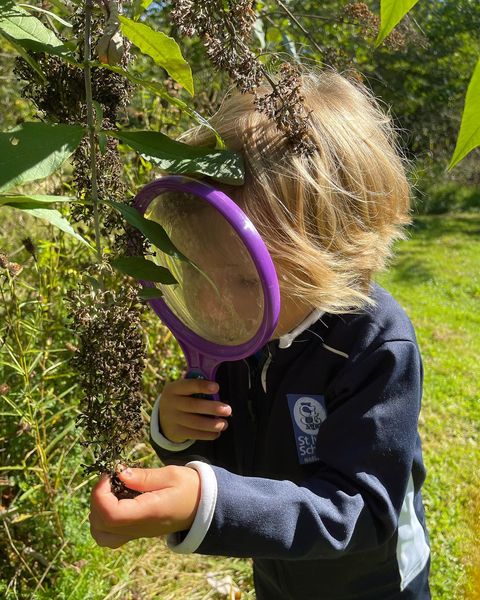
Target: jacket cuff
<point x="206" y="508"/>
<point x="159" y="438"/>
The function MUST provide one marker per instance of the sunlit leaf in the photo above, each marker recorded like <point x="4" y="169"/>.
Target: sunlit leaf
<point x="140" y="268"/>
<point x="469" y="135"/>
<point x="25" y="55"/>
<point x="53" y="217"/>
<point x="159" y="90"/>
<point x="163" y="49"/>
<point x="47" y="12"/>
<point x="139" y="6"/>
<point x="34" y="151"/>
<point x="28" y="31"/>
<point x="179" y="158"/>
<point x="152" y="230"/>
<point x="38" y="199"/>
<point x="391" y="13"/>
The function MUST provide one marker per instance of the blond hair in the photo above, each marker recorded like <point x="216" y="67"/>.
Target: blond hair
<point x="329" y="219"/>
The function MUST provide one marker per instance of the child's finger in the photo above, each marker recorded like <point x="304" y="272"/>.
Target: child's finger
<point x="199" y="423"/>
<point x="204" y="407"/>
<point x="109" y="540"/>
<point x="196" y="434"/>
<point x="187" y="387"/>
<point x="102" y="492"/>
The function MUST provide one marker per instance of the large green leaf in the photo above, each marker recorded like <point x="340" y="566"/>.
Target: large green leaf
<point x="53" y="217"/>
<point x="177" y="157"/>
<point x="39" y="199"/>
<point x="159" y="90"/>
<point x="28" y="31"/>
<point x="391" y="13"/>
<point x="52" y="15"/>
<point x="35" y="150"/>
<point x="469" y="135"/>
<point x="138" y="267"/>
<point x="163" y="49"/>
<point x="152" y="230"/>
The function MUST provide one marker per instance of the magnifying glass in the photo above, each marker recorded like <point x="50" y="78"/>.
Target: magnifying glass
<point x="226" y="304"/>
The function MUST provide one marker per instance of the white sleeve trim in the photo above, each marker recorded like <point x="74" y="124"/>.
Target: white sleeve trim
<point x="205" y="511"/>
<point x="159" y="438"/>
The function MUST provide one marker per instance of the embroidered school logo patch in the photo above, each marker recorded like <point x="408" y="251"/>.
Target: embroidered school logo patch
<point x="307" y="413"/>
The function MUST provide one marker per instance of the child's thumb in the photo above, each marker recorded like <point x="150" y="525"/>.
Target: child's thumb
<point x="141" y="480"/>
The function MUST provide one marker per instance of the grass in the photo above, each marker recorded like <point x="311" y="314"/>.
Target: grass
<point x="46" y="550"/>
<point x="436" y="278"/>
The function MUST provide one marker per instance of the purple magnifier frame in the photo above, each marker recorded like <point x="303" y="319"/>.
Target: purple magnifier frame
<point x="203" y="357"/>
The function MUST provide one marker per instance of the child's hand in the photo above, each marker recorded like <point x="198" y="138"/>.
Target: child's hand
<point x="183" y="417"/>
<point x="169" y="504"/>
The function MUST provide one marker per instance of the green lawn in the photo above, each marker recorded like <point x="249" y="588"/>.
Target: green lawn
<point x="435" y="276"/>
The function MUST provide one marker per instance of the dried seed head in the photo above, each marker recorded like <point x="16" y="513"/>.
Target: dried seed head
<point x="285" y="105"/>
<point x="14" y="269"/>
<point x="109" y="363"/>
<point x="370" y="24"/>
<point x="62" y="98"/>
<point x="225" y="27"/>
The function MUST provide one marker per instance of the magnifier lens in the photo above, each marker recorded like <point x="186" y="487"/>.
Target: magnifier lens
<point x="219" y="296"/>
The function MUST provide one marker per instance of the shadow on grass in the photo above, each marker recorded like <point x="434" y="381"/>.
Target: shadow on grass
<point x="410" y="268"/>
<point x="410" y="265"/>
<point x="436" y="226"/>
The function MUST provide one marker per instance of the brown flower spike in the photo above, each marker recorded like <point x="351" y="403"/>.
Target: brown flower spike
<point x="225" y="28"/>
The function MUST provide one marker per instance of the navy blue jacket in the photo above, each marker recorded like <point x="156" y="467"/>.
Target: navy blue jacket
<point x="318" y="475"/>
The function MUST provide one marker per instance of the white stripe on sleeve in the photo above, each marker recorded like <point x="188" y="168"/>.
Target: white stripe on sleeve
<point x="205" y="511"/>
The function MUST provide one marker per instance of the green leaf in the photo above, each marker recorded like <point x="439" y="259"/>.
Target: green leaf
<point x="177" y="157"/>
<point x="46" y="12"/>
<point x="34" y="151"/>
<point x="29" y="32"/>
<point x="163" y="49"/>
<point x="149" y="293"/>
<point x="152" y="230"/>
<point x="25" y="55"/>
<point x="469" y="135"/>
<point x="138" y="267"/>
<point x="159" y="90"/>
<point x="139" y="6"/>
<point x="391" y="13"/>
<point x="39" y="199"/>
<point x="53" y="217"/>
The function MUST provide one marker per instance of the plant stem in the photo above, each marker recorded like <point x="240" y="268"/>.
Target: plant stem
<point x="92" y="136"/>
<point x="300" y="26"/>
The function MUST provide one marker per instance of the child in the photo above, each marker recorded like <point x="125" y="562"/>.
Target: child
<point x="311" y="463"/>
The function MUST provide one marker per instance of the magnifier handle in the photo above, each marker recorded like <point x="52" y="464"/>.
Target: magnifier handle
<point x="197" y="374"/>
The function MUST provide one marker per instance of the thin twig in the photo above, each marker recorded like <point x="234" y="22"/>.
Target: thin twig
<point x="338" y="19"/>
<point x="18" y="553"/>
<point x="49" y="566"/>
<point x="300" y="26"/>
